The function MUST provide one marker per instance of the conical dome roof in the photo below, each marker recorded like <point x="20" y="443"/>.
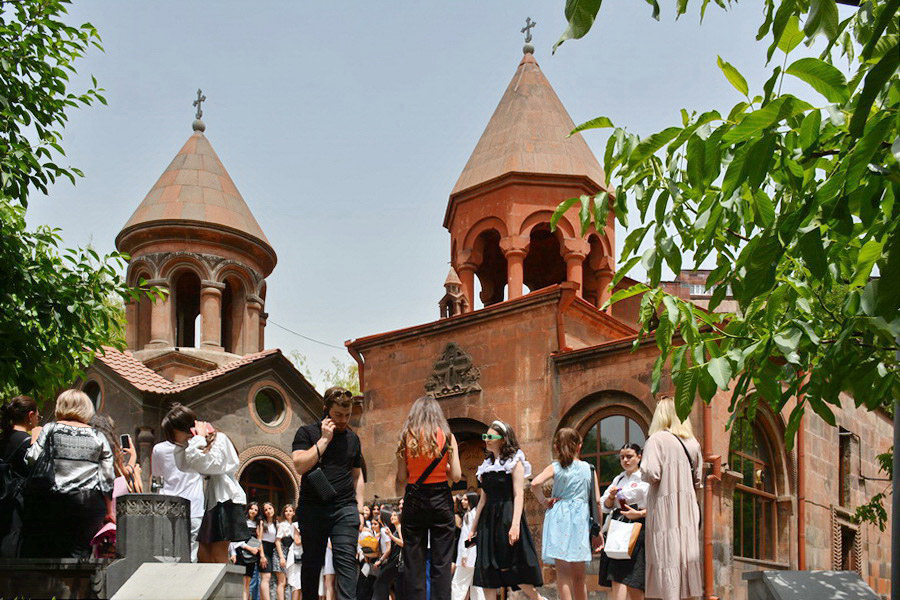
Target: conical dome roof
<point x="195" y="189"/>
<point x="527" y="134"/>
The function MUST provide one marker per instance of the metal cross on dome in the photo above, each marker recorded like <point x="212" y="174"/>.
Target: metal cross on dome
<point x="199" y="102"/>
<point x="527" y="29"/>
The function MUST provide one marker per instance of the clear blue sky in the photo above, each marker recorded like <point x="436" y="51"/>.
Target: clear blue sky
<point x="345" y="125"/>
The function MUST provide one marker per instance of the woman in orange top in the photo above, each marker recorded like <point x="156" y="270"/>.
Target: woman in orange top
<point x="427" y="459"/>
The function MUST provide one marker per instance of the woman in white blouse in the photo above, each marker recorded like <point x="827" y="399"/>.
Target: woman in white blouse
<point x="626" y="500"/>
<point x="462" y="587"/>
<point x="199" y="448"/>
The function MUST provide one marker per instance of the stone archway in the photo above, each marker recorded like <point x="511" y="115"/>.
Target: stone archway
<point x="267" y="473"/>
<point x="471" y="448"/>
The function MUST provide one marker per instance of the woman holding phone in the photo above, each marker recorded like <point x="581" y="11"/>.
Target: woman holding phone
<point x="626" y="500"/>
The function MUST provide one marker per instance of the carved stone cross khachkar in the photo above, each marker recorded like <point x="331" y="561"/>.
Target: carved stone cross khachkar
<point x="527" y="29"/>
<point x="199" y="103"/>
<point x="453" y="373"/>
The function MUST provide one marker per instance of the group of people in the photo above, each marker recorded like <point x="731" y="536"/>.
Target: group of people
<point x="332" y="543"/>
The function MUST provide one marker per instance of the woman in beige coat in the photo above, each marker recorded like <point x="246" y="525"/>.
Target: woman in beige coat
<point x="672" y="465"/>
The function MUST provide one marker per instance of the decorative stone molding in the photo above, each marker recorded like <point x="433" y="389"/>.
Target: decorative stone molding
<point x="287" y="412"/>
<point x="206" y="283"/>
<point x="135" y="505"/>
<point x="274" y="455"/>
<point x="454" y="373"/>
<point x="841" y="518"/>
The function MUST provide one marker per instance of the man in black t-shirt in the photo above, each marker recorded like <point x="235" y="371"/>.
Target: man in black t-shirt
<point x="331" y="446"/>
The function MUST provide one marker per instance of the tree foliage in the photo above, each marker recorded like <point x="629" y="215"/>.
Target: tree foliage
<point x="342" y="373"/>
<point x="795" y="199"/>
<point x="57" y="306"/>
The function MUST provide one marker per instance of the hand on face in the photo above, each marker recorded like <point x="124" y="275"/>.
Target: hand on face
<point x="327" y="429"/>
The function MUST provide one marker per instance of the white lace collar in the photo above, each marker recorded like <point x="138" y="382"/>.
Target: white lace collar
<point x="489" y="466"/>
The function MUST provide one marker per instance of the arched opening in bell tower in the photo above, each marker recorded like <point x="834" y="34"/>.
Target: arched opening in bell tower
<point x="142" y="314"/>
<point x="544" y="264"/>
<point x="492" y="270"/>
<point x="233" y="305"/>
<point x="187" y="309"/>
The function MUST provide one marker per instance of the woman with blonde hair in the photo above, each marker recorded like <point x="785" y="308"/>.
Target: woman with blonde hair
<point x="672" y="464"/>
<point x="60" y="521"/>
<point x="427" y="459"/>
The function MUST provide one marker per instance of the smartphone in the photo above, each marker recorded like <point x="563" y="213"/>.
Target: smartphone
<point x="125" y="441"/>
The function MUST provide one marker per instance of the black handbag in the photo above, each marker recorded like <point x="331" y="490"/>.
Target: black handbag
<point x="246" y="557"/>
<point x="413" y="500"/>
<point x="41" y="478"/>
<point x="594" y="519"/>
<point x="691" y="462"/>
<point x="319" y="483"/>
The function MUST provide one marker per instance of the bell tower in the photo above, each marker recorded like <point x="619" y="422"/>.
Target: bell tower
<point x="195" y="237"/>
<point x="522" y="168"/>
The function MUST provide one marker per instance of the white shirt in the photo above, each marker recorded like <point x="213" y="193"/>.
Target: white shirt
<point x="466" y="556"/>
<point x="633" y="489"/>
<point x="175" y="481"/>
<point x="219" y="465"/>
<point x="269" y="530"/>
<point x="384" y="540"/>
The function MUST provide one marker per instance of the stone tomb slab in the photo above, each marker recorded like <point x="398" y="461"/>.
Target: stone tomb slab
<point x="183" y="581"/>
<point x="807" y="585"/>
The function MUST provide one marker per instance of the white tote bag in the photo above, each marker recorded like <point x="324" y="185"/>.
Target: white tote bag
<point x="620" y="539"/>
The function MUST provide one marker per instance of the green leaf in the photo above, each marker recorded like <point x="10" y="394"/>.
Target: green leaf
<point x="865" y="149"/>
<point x="651" y="144"/>
<point x="875" y="81"/>
<point x="638" y="288"/>
<point x="809" y="129"/>
<point x="734" y="77"/>
<point x="560" y="211"/>
<point x="757" y="166"/>
<point x="774" y="112"/>
<point x="580" y="15"/>
<point x="813" y="252"/>
<point x="788" y="340"/>
<point x="887" y="15"/>
<point x="822" y="17"/>
<point x="868" y="256"/>
<point x="596" y="123"/>
<point x="791" y="36"/>
<point x="720" y="370"/>
<point x="764" y="209"/>
<point x="823" y="77"/>
<point x="685" y="392"/>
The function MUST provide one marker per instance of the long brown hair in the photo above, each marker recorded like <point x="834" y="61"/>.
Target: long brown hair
<point x="566" y="443"/>
<point x="419" y="435"/>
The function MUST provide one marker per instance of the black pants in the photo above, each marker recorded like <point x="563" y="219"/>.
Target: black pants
<point x="62" y="525"/>
<point x="436" y="521"/>
<point x="390" y="574"/>
<point x="318" y="524"/>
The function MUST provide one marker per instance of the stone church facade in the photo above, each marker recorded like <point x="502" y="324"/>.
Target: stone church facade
<point x="203" y="342"/>
<point x="549" y="357"/>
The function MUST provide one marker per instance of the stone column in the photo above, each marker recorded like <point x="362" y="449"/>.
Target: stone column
<point x="251" y="331"/>
<point x="575" y="269"/>
<point x="211" y="315"/>
<point x="263" y="316"/>
<point x="466" y="272"/>
<point x="161" y="317"/>
<point x="515" y="259"/>
<point x="131" y="325"/>
<point x="145" y="439"/>
<point x="604" y="278"/>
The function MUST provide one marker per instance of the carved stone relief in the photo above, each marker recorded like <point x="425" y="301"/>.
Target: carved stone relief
<point x="453" y="373"/>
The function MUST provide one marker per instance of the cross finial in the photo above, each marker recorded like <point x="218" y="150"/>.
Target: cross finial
<point x="527" y="29"/>
<point x="199" y="103"/>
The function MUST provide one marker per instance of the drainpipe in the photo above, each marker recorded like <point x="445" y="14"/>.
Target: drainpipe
<point x="895" y="503"/>
<point x="360" y="363"/>
<point x="801" y="494"/>
<point x="715" y="475"/>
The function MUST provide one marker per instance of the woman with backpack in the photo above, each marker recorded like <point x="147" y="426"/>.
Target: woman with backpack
<point x="17" y="418"/>
<point x="427" y="460"/>
<point x="202" y="449"/>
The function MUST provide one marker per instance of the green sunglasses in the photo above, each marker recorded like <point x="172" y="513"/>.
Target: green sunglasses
<point x="491" y="436"/>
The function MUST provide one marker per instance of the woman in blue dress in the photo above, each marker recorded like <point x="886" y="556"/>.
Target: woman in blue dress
<point x="566" y="540"/>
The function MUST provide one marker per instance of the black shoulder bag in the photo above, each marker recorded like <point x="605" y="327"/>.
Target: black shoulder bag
<point x="245" y="556"/>
<point x="10" y="480"/>
<point x="41" y="479"/>
<point x="691" y="462"/>
<point x="594" y="513"/>
<point x="413" y="501"/>
<point x="319" y="482"/>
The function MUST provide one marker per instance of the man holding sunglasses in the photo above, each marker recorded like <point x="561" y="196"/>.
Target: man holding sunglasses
<point x="328" y="455"/>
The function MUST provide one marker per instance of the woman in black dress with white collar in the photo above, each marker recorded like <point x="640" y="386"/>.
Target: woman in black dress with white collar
<point x="505" y="554"/>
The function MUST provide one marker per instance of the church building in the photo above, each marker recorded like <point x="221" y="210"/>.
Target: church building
<point x="203" y="343"/>
<point x="521" y="337"/>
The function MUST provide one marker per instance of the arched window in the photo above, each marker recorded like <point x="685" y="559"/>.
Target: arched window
<point x="93" y="391"/>
<point x="755" y="513"/>
<point x="544" y="264"/>
<point x="266" y="481"/>
<point x="142" y="315"/>
<point x="187" y="309"/>
<point x="492" y="270"/>
<point x="233" y="303"/>
<point x="604" y="438"/>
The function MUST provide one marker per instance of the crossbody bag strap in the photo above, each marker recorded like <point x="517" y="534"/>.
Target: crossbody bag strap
<point x="686" y="453"/>
<point x="432" y="466"/>
<point x="15" y="450"/>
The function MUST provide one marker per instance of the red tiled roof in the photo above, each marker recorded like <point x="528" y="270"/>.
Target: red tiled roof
<point x="147" y="380"/>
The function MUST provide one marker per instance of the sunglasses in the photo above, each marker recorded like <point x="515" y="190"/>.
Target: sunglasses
<point x="491" y="436"/>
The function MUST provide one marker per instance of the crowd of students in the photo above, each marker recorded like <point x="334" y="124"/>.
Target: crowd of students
<point x="333" y="545"/>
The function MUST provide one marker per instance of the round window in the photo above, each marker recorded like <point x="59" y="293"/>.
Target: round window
<point x="92" y="389"/>
<point x="269" y="406"/>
